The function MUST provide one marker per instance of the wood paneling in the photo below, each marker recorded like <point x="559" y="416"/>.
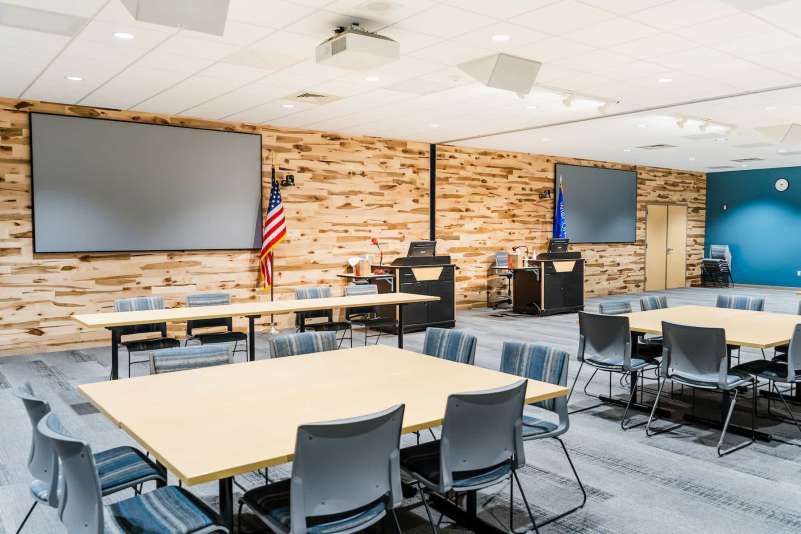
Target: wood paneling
<point x="349" y="189"/>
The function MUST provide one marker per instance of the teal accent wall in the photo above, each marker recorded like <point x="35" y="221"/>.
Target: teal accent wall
<point x="761" y="225"/>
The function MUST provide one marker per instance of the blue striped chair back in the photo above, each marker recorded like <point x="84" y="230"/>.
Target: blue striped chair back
<point x="302" y="343"/>
<point x="615" y="307"/>
<point x="537" y="362"/>
<point x="209" y="299"/>
<point x="151" y="302"/>
<point x="741" y="302"/>
<point x="314" y="292"/>
<point x="454" y="345"/>
<point x="653" y="302"/>
<point x="191" y="357"/>
<point x="360" y="289"/>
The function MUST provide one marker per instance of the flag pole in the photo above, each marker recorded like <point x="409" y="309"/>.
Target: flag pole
<point x="273" y="329"/>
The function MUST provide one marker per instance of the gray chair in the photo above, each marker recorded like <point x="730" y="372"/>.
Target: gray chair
<point x="450" y="344"/>
<point x="605" y="345"/>
<point x="154" y="302"/>
<point x="228" y="335"/>
<point x="780" y="352"/>
<point x="481" y="446"/>
<point x="651" y="344"/>
<point x="302" y="343"/>
<point x="697" y="357"/>
<point x="366" y="317"/>
<point x="546" y="364"/>
<point x="614" y="307"/>
<point x="187" y="358"/>
<point x="345" y="477"/>
<point x="740" y="302"/>
<point x="167" y="509"/>
<point x="119" y="468"/>
<point x="329" y="324"/>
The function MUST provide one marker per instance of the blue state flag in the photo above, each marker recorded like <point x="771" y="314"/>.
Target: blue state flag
<point x="559" y="219"/>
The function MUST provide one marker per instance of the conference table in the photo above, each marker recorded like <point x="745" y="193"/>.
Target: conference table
<point x="744" y="328"/>
<point x="114" y="321"/>
<point x="218" y="422"/>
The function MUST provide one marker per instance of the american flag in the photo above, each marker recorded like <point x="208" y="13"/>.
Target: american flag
<point x="272" y="233"/>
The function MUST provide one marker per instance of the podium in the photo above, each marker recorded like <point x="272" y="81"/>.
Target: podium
<point x="553" y="283"/>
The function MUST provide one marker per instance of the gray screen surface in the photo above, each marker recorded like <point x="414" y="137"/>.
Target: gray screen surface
<point x="600" y="204"/>
<point x="103" y="185"/>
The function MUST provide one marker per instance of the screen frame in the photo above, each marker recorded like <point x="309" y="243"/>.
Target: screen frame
<point x="260" y="220"/>
<point x="636" y="201"/>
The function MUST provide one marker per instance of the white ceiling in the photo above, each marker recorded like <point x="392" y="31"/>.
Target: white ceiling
<point x="616" y="50"/>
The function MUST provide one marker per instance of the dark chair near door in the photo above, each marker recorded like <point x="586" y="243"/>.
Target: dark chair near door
<point x="167" y="509"/>
<point x="345" y="478"/>
<point x="546" y="364"/>
<point x="154" y="302"/>
<point x="205" y="337"/>
<point x="481" y="446"/>
<point x="696" y="357"/>
<point x="740" y="302"/>
<point x="319" y="292"/>
<point x="365" y="317"/>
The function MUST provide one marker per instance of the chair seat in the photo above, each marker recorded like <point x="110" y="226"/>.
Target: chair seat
<point x="220" y="337"/>
<point x="372" y="321"/>
<point x="775" y="371"/>
<point x="533" y="426"/>
<point x="336" y="326"/>
<point x="272" y="503"/>
<point x="165" y="510"/>
<point x="124" y="467"/>
<point x="617" y="362"/>
<point x="145" y="345"/>
<point x="423" y="462"/>
<point x="710" y="381"/>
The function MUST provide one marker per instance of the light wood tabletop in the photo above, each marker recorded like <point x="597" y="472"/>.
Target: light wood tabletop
<point x="744" y="328"/>
<point x="217" y="422"/>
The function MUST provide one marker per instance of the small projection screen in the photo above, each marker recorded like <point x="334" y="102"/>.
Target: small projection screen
<point x="600" y="204"/>
<point x="113" y="186"/>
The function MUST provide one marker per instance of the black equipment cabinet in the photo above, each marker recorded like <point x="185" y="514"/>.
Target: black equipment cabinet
<point x="553" y="283"/>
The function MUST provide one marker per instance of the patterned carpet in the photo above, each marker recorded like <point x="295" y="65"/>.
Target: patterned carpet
<point x="673" y="482"/>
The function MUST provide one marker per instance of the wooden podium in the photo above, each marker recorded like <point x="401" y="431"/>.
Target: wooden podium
<point x="553" y="283"/>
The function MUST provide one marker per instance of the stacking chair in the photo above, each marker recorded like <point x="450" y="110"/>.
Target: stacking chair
<point x="229" y="335"/>
<point x="319" y="292"/>
<point x="450" y="344"/>
<point x="186" y="358"/>
<point x="481" y="446"/>
<point x="614" y="307"/>
<point x="302" y="343"/>
<point x="696" y="357"/>
<point x="780" y="352"/>
<point x="366" y="317"/>
<point x="741" y="302"/>
<point x="345" y="477"/>
<point x="546" y="364"/>
<point x="653" y="302"/>
<point x="119" y="468"/>
<point x="605" y="345"/>
<point x="144" y="345"/>
<point x="651" y="344"/>
<point x="166" y="509"/>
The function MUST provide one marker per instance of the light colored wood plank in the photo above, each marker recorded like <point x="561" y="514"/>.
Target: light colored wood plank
<point x="217" y="422"/>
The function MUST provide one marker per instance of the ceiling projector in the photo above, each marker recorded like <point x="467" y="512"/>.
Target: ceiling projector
<point x="356" y="49"/>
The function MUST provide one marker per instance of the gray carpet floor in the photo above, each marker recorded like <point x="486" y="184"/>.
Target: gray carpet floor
<point x="673" y="482"/>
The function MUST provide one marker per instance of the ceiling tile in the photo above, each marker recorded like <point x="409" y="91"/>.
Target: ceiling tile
<point x="236" y="73"/>
<point x="655" y="46"/>
<point x="517" y="36"/>
<point x="551" y="49"/>
<point x="451" y="53"/>
<point x="380" y="13"/>
<point x="79" y="8"/>
<point x="322" y="24"/>
<point x="272" y="14"/>
<point x="187" y="94"/>
<point x="159" y="59"/>
<point x="410" y="41"/>
<point x="18" y="73"/>
<point x="31" y="42"/>
<point x="785" y="15"/>
<point x="612" y="32"/>
<point x="132" y="86"/>
<point x="563" y="17"/>
<point x="100" y="31"/>
<point x="200" y="48"/>
<point x="624" y="7"/>
<point x="727" y="28"/>
<point x="501" y="9"/>
<point x="445" y="21"/>
<point x="236" y="33"/>
<point x="682" y="13"/>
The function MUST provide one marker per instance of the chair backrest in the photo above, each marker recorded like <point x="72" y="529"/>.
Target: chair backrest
<point x="186" y="358"/>
<point x="302" y="343"/>
<point x="537" y="362"/>
<point x="604" y="336"/>
<point x="360" y="289"/>
<point x="501" y="259"/>
<point x="42" y="459"/>
<point x="720" y="252"/>
<point x="450" y="344"/>
<point x="794" y="354"/>
<point x="653" y="302"/>
<point x="314" y="292"/>
<point x="741" y="302"/>
<point x="342" y="466"/>
<point x="615" y="307"/>
<point x="81" y="508"/>
<point x="482" y="430"/>
<point x="209" y="299"/>
<point x="152" y="302"/>
<point x="696" y="352"/>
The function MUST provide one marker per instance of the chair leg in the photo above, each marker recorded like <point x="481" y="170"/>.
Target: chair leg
<point x="30" y="511"/>
<point x="396" y="522"/>
<point x="525" y="502"/>
<point x="239" y="517"/>
<point x="573" y="386"/>
<point x="648" y="431"/>
<point x="428" y="510"/>
<point x="632" y="395"/>
<point x="786" y="406"/>
<point x="580" y="484"/>
<point x="431" y="430"/>
<point x="724" y="452"/>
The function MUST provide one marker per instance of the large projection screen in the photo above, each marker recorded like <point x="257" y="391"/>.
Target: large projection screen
<point x="112" y="186"/>
<point x="600" y="204"/>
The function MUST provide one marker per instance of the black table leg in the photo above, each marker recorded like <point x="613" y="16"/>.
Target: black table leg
<point x="227" y="502"/>
<point x="252" y="337"/>
<point x="400" y="326"/>
<point x="115" y="354"/>
<point x="468" y="517"/>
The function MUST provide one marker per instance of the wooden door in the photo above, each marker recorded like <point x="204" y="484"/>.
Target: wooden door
<point x="656" y="225"/>
<point x="676" y="271"/>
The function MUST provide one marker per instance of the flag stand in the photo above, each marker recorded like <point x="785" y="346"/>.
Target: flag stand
<point x="273" y="329"/>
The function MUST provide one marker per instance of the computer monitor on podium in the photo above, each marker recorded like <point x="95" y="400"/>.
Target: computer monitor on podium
<point x="418" y="249"/>
<point x="557" y="245"/>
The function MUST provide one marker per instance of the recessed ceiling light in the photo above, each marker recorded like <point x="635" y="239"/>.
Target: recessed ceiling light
<point x="372" y="78"/>
<point x="501" y="37"/>
<point x="626" y="150"/>
<point x="770" y="108"/>
<point x="743" y="165"/>
<point x="74" y="78"/>
<point x="125" y="36"/>
<point x="434" y="125"/>
<point x="288" y="106"/>
<point x="665" y="80"/>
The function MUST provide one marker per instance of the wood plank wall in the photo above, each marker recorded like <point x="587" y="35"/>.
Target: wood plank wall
<point x="348" y="190"/>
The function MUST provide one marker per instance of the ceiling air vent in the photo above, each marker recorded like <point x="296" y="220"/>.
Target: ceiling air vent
<point x="748" y="160"/>
<point x="312" y="98"/>
<point x="660" y="146"/>
<point x="720" y="167"/>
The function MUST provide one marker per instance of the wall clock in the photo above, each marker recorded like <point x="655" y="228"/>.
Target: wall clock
<point x="781" y="184"/>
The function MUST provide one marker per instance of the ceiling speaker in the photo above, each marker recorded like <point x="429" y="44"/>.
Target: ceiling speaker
<point x="206" y="16"/>
<point x="503" y="71"/>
